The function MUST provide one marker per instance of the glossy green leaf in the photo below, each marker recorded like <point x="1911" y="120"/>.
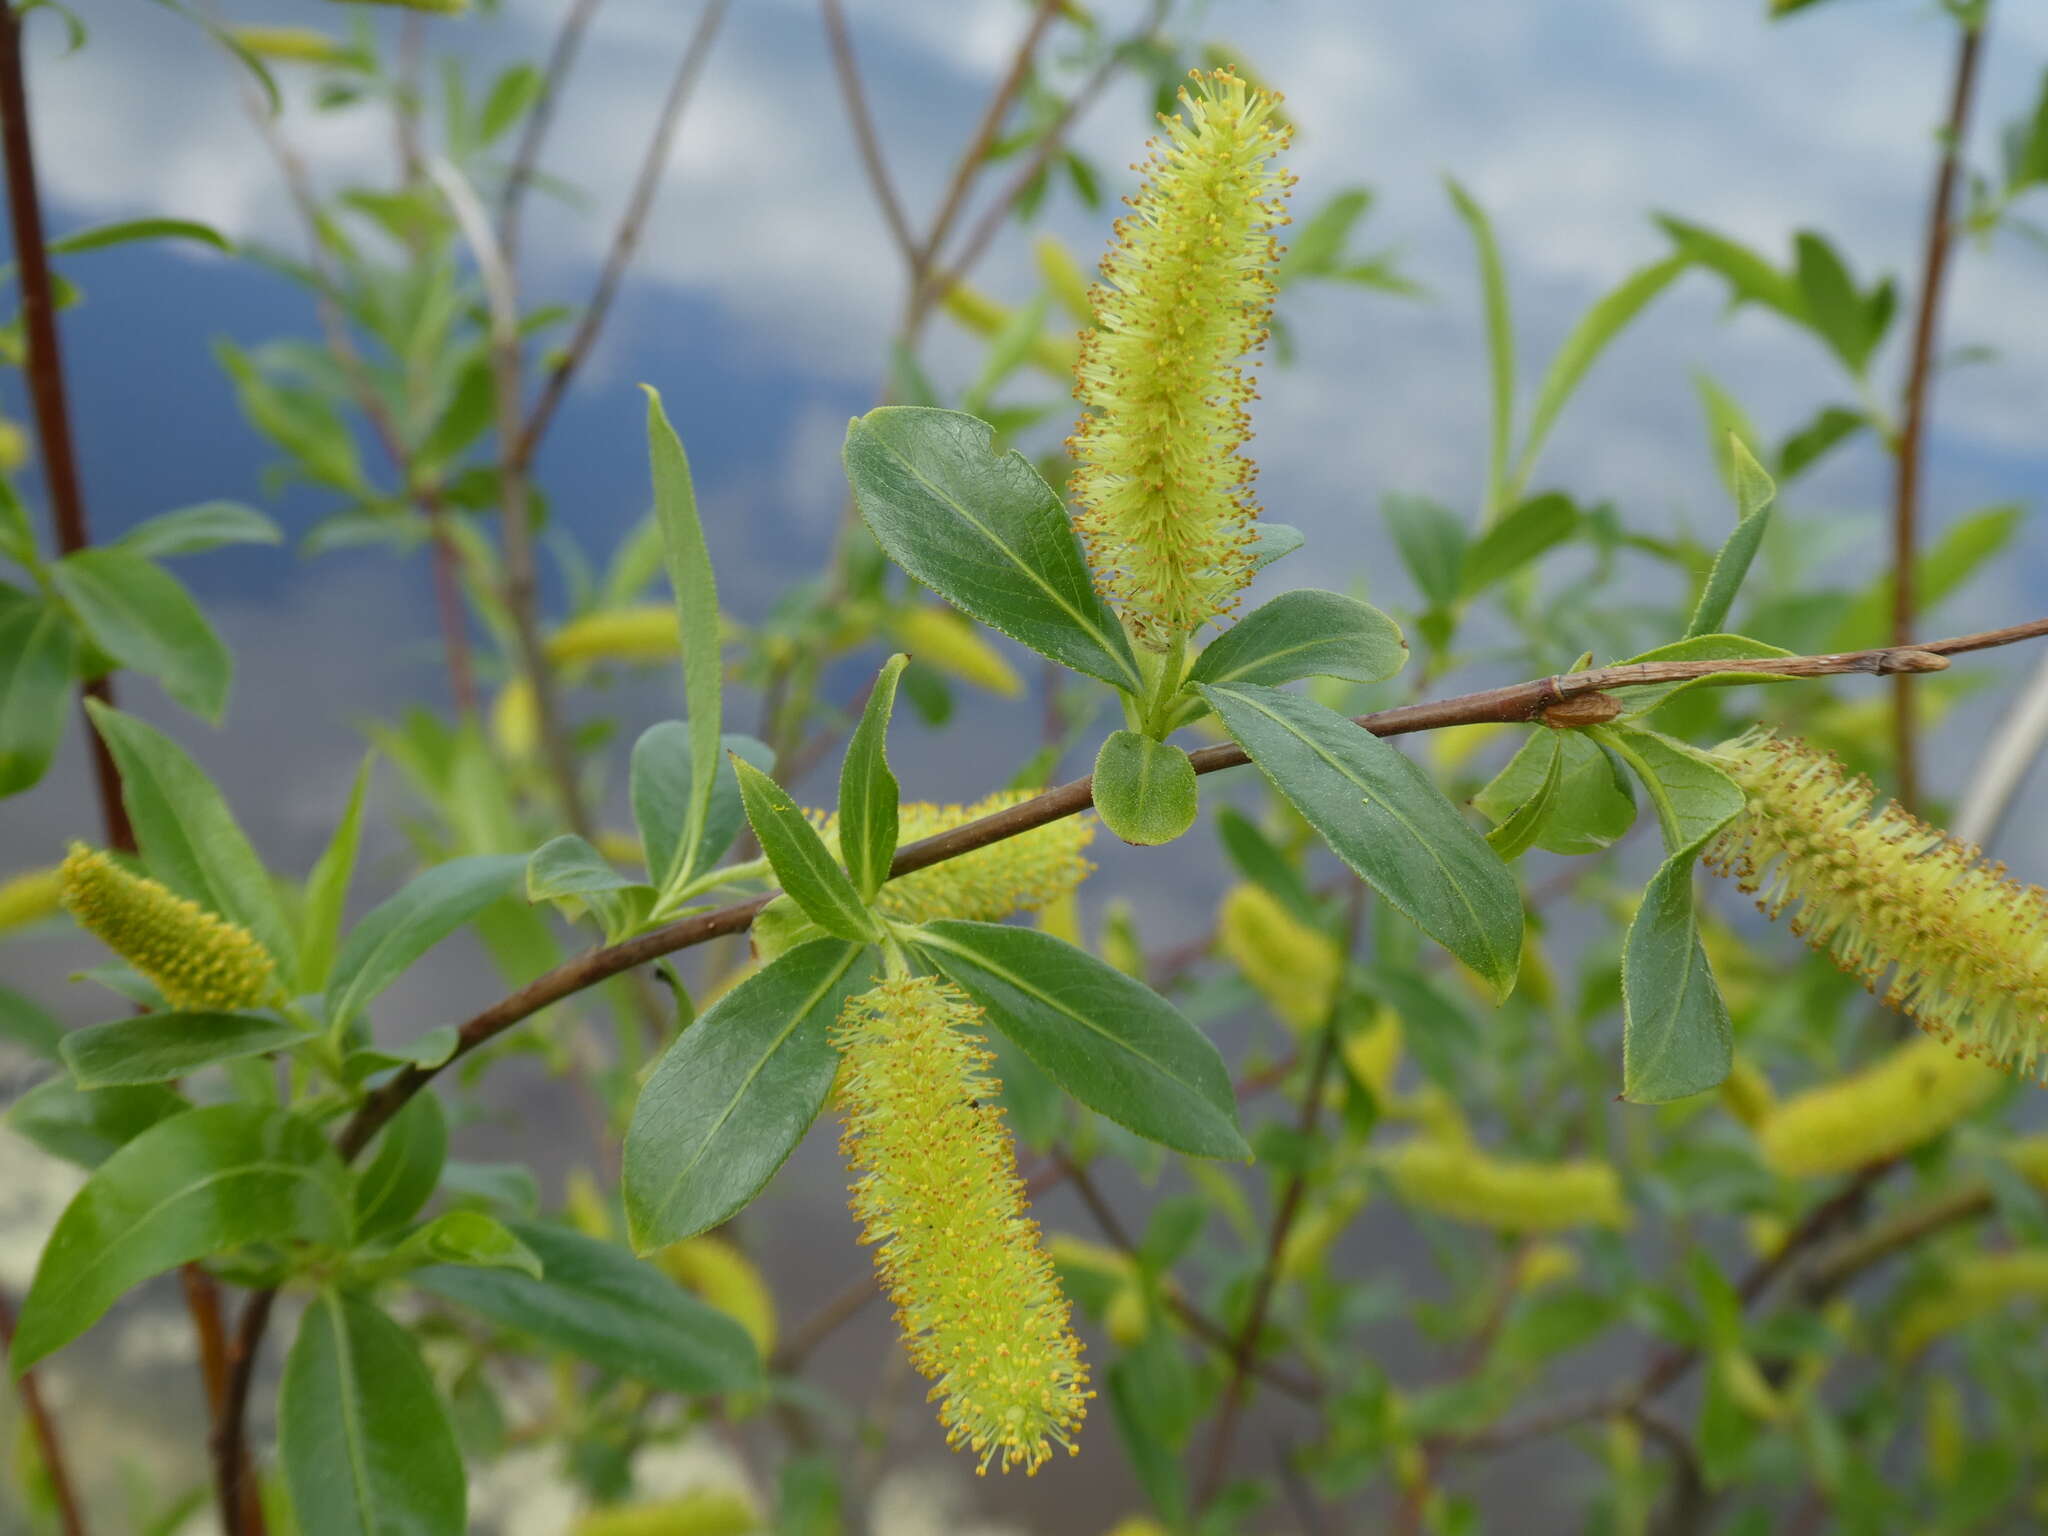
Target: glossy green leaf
<point x="731" y="1098"/>
<point x="405" y="926"/>
<point x="1144" y="789"/>
<point x="158" y="1047"/>
<point x="1754" y="493"/>
<point x="1610" y="315"/>
<point x="198" y="1184"/>
<point x="87" y="1126"/>
<point x="142" y="616"/>
<point x="1111" y="1042"/>
<point x="188" y="836"/>
<point x="38" y="648"/>
<point x="191" y="530"/>
<point x="366" y="1444"/>
<point x="1519" y="537"/>
<point x="696" y="596"/>
<point x="1677" y="1039"/>
<point x="599" y="1302"/>
<point x="320" y="917"/>
<point x="983" y="531"/>
<point x="868" y="794"/>
<point x="660" y="786"/>
<point x="1591" y="807"/>
<point x="1305" y="633"/>
<point x="1384" y="817"/>
<point x="805" y="866"/>
<point x="567" y="866"/>
<point x="1517" y="833"/>
<point x="400" y="1176"/>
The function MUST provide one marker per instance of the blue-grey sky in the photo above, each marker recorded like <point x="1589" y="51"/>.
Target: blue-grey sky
<point x="767" y="289"/>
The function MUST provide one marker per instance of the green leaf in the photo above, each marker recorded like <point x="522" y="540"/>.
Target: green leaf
<point x="1677" y="1039"/>
<point x="198" y="1184"/>
<point x="1592" y="806"/>
<point x="1725" y="420"/>
<point x="1517" y="834"/>
<point x="397" y="1182"/>
<point x="696" y="596"/>
<point x="567" y="867"/>
<point x="1754" y="493"/>
<point x="187" y="834"/>
<point x="1261" y="862"/>
<point x="867" y="788"/>
<point x="37" y="650"/>
<point x="128" y="230"/>
<point x="365" y="1442"/>
<point x="805" y="866"/>
<point x="1638" y="701"/>
<point x="467" y="1237"/>
<point x="1113" y="1043"/>
<point x="405" y="926"/>
<point x="327" y="887"/>
<point x="1383" y="817"/>
<point x="599" y="1302"/>
<point x="1305" y="633"/>
<point x="158" y="1047"/>
<point x="89" y="1125"/>
<point x="731" y="1098"/>
<point x="660" y="781"/>
<point x="191" y="530"/>
<point x="1432" y="543"/>
<point x="1144" y="789"/>
<point x="1831" y="426"/>
<point x="1942" y="568"/>
<point x="1271" y="541"/>
<point x="27" y="1024"/>
<point x="1841" y="316"/>
<point x="1750" y="278"/>
<point x="142" y="616"/>
<point x="1608" y="318"/>
<point x="983" y="531"/>
<point x="1500" y="345"/>
<point x="513" y="93"/>
<point x="1523" y="535"/>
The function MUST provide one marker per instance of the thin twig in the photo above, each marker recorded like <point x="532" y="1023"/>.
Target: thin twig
<point x="1245" y="1348"/>
<point x="2016" y="741"/>
<point x="539" y="118"/>
<point x="626" y="239"/>
<point x="1908" y="453"/>
<point x="232" y="1425"/>
<point x="861" y="119"/>
<point x="49" y="1444"/>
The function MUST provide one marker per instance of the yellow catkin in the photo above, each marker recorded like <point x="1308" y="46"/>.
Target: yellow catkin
<point x="1911" y="1096"/>
<point x="1051" y="354"/>
<point x="197" y="960"/>
<point x="938" y="1196"/>
<point x="515" y="719"/>
<point x="29" y="897"/>
<point x="1918" y="917"/>
<point x="944" y="639"/>
<point x="704" y="1512"/>
<point x="292" y="45"/>
<point x="717" y="1270"/>
<point x="1464" y="1183"/>
<point x="1166" y="500"/>
<point x="1019" y="874"/>
<point x="1292" y="965"/>
<point x="645" y="632"/>
<point x="1970" y="1289"/>
<point x="1746" y="1093"/>
<point x="1374" y="1056"/>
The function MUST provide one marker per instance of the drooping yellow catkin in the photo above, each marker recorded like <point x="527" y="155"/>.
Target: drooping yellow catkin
<point x="196" y="959"/>
<point x="29" y="897"/>
<point x="1165" y="494"/>
<point x="1909" y="1097"/>
<point x="1921" y="918"/>
<point x="1458" y="1180"/>
<point x="1969" y="1290"/>
<point x="1291" y="964"/>
<point x="1019" y="874"/>
<point x="938" y="1195"/>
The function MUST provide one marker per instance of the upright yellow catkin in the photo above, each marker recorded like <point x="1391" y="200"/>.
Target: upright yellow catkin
<point x="938" y="1196"/>
<point x="1018" y="874"/>
<point x="1920" y="918"/>
<point x="197" y="960"/>
<point x="1165" y="494"/>
<point x="1907" y="1098"/>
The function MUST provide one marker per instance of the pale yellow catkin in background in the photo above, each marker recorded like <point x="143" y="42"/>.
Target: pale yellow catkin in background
<point x="1907" y="1098"/>
<point x="1464" y="1183"/>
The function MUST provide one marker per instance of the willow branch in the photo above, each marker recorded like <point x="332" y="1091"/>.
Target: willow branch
<point x="539" y="118"/>
<point x="49" y="1445"/>
<point x="626" y="239"/>
<point x="861" y="119"/>
<point x="1908" y="453"/>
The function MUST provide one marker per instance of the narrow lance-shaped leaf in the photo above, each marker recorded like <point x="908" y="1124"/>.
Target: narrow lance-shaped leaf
<point x="327" y="888"/>
<point x="1754" y="493"/>
<point x="801" y="861"/>
<point x="142" y="616"/>
<point x="868" y="794"/>
<point x="1500" y="345"/>
<point x="696" y="595"/>
<point x="37" y="647"/>
<point x="404" y="927"/>
<point x="1383" y="816"/>
<point x="160" y="1047"/>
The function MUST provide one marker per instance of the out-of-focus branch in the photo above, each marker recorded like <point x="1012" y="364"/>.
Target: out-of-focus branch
<point x="49" y="1444"/>
<point x="847" y="68"/>
<point x="539" y="118"/>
